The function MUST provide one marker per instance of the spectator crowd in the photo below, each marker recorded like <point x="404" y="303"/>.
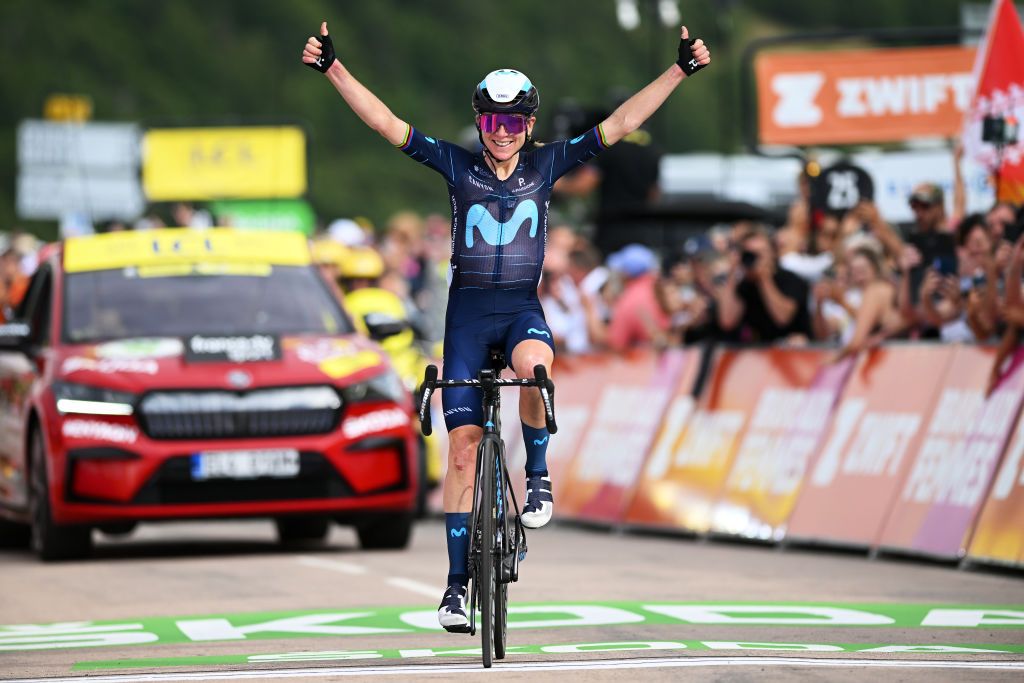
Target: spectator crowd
<point x="847" y="279"/>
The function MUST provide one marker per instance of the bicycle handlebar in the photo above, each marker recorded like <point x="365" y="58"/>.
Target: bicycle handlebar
<point x="540" y="380"/>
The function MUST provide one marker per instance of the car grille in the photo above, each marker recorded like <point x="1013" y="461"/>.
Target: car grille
<point x="228" y="415"/>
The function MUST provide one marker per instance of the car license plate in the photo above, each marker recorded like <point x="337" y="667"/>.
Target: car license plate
<point x="280" y="463"/>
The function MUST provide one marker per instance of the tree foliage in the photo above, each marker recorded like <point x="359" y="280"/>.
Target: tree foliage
<point x="196" y="62"/>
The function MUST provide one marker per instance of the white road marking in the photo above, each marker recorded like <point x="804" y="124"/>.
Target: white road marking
<point x="414" y="586"/>
<point x="417" y="587"/>
<point x="334" y="565"/>
<point x="447" y="669"/>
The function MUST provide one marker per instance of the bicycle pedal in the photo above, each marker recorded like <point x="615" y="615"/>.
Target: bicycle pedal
<point x="457" y="629"/>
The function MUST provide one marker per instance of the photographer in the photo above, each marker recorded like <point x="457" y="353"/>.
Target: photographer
<point x="761" y="302"/>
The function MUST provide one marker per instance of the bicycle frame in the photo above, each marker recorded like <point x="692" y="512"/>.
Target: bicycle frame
<point x="494" y="553"/>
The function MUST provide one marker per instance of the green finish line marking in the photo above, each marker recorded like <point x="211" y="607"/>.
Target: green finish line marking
<point x="395" y="620"/>
<point x="578" y="648"/>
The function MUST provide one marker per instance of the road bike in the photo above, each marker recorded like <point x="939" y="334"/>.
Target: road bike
<point x="497" y="538"/>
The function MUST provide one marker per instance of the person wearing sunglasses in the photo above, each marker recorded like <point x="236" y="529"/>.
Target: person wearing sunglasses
<point x="499" y="199"/>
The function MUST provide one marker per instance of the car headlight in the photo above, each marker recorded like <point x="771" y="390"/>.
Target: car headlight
<point x="386" y="386"/>
<point x="86" y="400"/>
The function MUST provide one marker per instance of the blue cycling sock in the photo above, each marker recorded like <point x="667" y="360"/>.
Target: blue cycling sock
<point x="456" y="526"/>
<point x="536" y="450"/>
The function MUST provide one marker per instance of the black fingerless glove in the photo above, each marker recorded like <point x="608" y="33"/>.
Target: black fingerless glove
<point x="327" y="55"/>
<point x="687" y="62"/>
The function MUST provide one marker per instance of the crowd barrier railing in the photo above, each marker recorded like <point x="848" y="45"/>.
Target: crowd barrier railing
<point x="899" y="449"/>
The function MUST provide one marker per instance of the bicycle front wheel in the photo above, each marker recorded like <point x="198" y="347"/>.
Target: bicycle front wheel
<point x="503" y="543"/>
<point x="486" y="580"/>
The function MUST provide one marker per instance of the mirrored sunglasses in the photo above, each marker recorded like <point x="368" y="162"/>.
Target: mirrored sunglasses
<point x="514" y="123"/>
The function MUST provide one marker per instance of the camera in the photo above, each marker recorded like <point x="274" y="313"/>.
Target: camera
<point x="999" y="130"/>
<point x="748" y="259"/>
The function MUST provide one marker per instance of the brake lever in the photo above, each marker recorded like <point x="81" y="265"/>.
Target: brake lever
<point x="426" y="390"/>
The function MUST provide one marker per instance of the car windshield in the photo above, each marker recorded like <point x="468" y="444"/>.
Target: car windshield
<point x="118" y="304"/>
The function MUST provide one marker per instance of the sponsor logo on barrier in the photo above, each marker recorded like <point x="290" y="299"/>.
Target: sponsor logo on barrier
<point x="780" y="441"/>
<point x="1011" y="474"/>
<point x="370" y="621"/>
<point x="618" y="436"/>
<point x="709" y="438"/>
<point x="877" y="446"/>
<point x="962" y="446"/>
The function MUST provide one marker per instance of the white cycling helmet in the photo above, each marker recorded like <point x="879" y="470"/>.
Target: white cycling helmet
<point x="506" y="91"/>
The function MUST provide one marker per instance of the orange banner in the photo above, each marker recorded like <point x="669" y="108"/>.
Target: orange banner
<point x="695" y="449"/>
<point x="879" y="421"/>
<point x="951" y="471"/>
<point x="627" y="409"/>
<point x="999" y="533"/>
<point x="784" y="433"/>
<point x="578" y="383"/>
<point x="848" y="96"/>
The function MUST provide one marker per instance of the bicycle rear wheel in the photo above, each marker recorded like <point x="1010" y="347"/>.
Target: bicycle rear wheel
<point x="487" y="580"/>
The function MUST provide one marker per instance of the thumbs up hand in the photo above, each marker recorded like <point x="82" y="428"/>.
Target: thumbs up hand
<point x="319" y="54"/>
<point x="693" y="54"/>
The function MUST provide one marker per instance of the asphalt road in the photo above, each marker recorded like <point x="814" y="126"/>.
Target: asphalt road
<point x="214" y="601"/>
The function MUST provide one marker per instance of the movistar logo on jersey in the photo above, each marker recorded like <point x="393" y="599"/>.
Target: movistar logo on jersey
<point x="495" y="233"/>
<point x="540" y="442"/>
<point x="577" y="139"/>
<point x="459" y="532"/>
<point x="534" y="330"/>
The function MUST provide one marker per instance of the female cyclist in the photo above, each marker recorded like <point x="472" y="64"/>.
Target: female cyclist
<point x="499" y="200"/>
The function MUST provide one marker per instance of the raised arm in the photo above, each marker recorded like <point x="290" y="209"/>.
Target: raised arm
<point x="693" y="56"/>
<point x="319" y="55"/>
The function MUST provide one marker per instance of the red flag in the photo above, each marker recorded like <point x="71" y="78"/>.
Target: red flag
<point x="999" y="70"/>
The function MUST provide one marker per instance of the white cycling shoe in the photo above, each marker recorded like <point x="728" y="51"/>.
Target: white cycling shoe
<point x="452" y="612"/>
<point x="540" y="504"/>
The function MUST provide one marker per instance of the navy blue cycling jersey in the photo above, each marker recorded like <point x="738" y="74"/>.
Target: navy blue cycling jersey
<point x="499" y="231"/>
<point x="499" y="227"/>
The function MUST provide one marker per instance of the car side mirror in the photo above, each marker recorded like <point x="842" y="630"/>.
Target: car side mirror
<point x="15" y="336"/>
<point x="382" y="326"/>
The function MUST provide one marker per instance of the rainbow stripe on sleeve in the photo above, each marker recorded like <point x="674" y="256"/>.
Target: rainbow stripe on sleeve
<point x="600" y="136"/>
<point x="408" y="137"/>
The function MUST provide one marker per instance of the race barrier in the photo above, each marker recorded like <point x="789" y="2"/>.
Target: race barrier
<point x="734" y="464"/>
<point x="953" y="467"/>
<point x="885" y="404"/>
<point x="901" y="449"/>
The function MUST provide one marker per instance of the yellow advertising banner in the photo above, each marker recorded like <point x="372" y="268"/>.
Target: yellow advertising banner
<point x="184" y="246"/>
<point x="188" y="164"/>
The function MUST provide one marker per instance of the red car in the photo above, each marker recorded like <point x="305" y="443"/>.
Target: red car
<point x="181" y="374"/>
